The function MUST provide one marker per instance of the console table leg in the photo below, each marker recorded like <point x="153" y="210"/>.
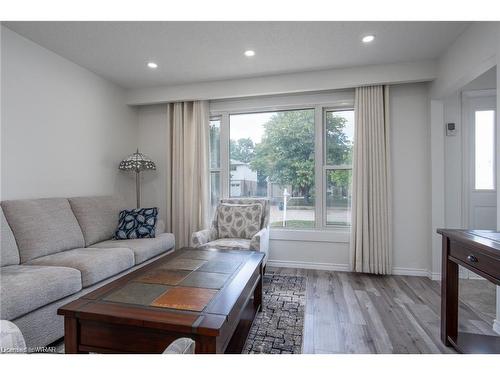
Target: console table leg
<point x="449" y="296"/>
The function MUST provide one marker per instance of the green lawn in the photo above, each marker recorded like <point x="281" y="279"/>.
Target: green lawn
<point x="294" y="224"/>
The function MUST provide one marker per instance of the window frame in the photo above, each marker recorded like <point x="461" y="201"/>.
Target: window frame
<point x="210" y="168"/>
<point x="320" y="108"/>
<point x="331" y="167"/>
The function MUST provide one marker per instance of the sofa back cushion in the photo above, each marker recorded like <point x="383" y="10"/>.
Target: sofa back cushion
<point x="9" y="254"/>
<point x="43" y="226"/>
<point x="239" y="220"/>
<point x="97" y="216"/>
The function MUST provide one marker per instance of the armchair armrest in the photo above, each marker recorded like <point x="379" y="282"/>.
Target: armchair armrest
<point x="202" y="237"/>
<point x="260" y="241"/>
<point x="183" y="345"/>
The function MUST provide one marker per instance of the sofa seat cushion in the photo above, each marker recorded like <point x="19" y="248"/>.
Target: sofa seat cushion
<point x="94" y="264"/>
<point x="25" y="288"/>
<point x="228" y="243"/>
<point x="97" y="216"/>
<point x="143" y="248"/>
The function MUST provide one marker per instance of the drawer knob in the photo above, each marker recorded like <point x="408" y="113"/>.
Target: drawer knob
<point x="472" y="258"/>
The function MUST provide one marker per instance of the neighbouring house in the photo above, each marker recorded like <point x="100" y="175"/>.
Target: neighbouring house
<point x="243" y="179"/>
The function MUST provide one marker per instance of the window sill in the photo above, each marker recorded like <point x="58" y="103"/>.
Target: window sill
<point x="340" y="235"/>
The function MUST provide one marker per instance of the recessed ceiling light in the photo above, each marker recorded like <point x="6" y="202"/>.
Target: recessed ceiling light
<point x="152" y="65"/>
<point x="368" y="38"/>
<point x="249" y="53"/>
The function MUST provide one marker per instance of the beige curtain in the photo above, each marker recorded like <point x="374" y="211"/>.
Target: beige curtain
<point x="187" y="169"/>
<point x="371" y="235"/>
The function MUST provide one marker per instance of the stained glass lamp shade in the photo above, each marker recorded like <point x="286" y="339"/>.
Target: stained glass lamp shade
<point x="137" y="162"/>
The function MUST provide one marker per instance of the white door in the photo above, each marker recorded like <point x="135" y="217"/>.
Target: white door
<point x="479" y="116"/>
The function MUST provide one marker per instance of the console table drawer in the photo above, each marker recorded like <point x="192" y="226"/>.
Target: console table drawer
<point x="475" y="259"/>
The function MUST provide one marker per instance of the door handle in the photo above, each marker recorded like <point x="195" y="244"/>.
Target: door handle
<point x="472" y="258"/>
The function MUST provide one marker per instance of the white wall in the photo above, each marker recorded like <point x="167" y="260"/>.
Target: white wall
<point x="411" y="177"/>
<point x="472" y="54"/>
<point x="64" y="129"/>
<point x="453" y="162"/>
<point x="153" y="141"/>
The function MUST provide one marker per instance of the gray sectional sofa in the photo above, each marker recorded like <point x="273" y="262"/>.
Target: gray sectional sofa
<point x="55" y="250"/>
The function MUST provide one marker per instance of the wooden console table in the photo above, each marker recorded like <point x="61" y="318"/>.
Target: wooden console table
<point x="479" y="252"/>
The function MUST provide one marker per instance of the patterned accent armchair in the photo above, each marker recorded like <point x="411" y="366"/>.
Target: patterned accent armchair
<point x="183" y="345"/>
<point x="209" y="238"/>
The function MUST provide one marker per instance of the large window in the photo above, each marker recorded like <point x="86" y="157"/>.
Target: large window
<point x="300" y="159"/>
<point x="272" y="155"/>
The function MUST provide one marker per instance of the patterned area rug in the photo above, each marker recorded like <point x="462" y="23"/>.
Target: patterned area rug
<point x="278" y="329"/>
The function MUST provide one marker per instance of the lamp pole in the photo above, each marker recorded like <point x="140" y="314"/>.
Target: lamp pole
<point x="138" y="187"/>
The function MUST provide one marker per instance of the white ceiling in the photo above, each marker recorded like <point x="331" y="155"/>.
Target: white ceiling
<point x="189" y="52"/>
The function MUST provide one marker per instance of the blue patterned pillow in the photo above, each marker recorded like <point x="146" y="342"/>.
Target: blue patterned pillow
<point x="137" y="223"/>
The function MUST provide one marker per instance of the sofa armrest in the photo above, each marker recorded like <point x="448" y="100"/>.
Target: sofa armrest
<point x="160" y="227"/>
<point x="260" y="241"/>
<point x="201" y="237"/>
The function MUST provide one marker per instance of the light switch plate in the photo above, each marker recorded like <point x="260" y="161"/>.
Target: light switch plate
<point x="451" y="129"/>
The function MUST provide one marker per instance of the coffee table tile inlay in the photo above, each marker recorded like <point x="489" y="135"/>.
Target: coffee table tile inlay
<point x="208" y="280"/>
<point x="220" y="266"/>
<point x="184" y="264"/>
<point x="164" y="276"/>
<point x="211" y="296"/>
<point x="137" y="293"/>
<point x="184" y="298"/>
<point x="197" y="254"/>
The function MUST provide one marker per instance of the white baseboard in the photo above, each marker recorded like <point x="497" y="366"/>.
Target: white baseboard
<point x="470" y="276"/>
<point x="436" y="276"/>
<point x="496" y="326"/>
<point x="401" y="271"/>
<point x="341" y="267"/>
<point x="309" y="265"/>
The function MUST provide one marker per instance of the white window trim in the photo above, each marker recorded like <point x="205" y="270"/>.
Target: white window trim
<point x="331" y="167"/>
<point x="325" y="102"/>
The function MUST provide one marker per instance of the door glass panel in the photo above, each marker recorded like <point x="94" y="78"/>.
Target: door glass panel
<point x="484" y="131"/>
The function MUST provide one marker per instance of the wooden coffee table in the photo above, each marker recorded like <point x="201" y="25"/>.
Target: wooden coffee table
<point x="211" y="296"/>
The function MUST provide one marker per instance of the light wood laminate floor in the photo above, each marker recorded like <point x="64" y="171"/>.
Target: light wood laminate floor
<point x="358" y="313"/>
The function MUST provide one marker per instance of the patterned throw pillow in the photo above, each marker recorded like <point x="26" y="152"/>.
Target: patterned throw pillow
<point x="239" y="220"/>
<point x="137" y="223"/>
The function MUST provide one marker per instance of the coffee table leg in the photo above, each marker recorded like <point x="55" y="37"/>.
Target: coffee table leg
<point x="257" y="294"/>
<point x="71" y="336"/>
